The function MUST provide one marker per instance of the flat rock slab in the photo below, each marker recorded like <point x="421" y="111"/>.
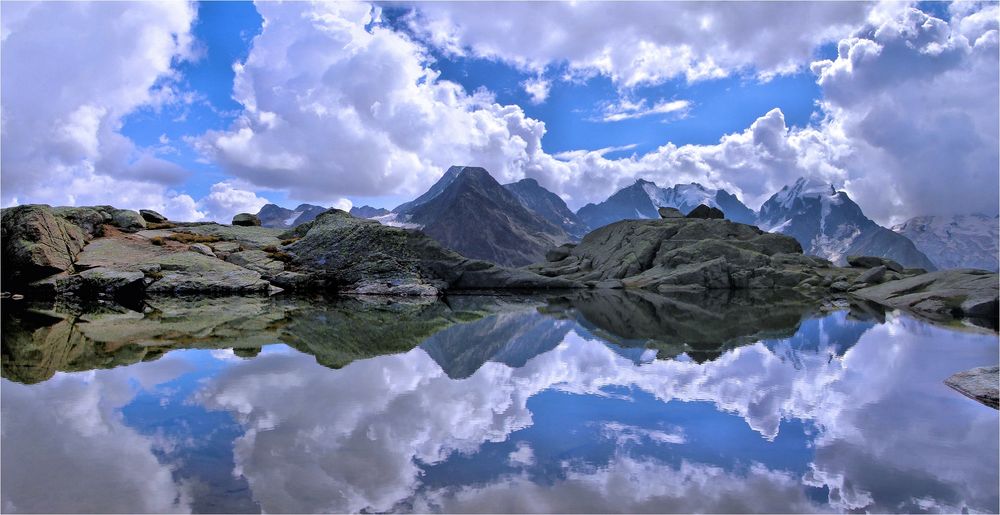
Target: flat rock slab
<point x="249" y="237"/>
<point x="981" y="384"/>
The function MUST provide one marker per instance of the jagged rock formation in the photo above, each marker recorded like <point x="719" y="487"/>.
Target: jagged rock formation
<point x="471" y="213"/>
<point x="277" y="217"/>
<point x="960" y="241"/>
<point x="548" y="205"/>
<point x="37" y="243"/>
<point x="641" y="200"/>
<point x="368" y="211"/>
<point x="829" y="224"/>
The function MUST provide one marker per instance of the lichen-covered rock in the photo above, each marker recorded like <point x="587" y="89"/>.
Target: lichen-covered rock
<point x="248" y="237"/>
<point x="246" y="220"/>
<point x="946" y="293"/>
<point x="188" y="272"/>
<point x="152" y="216"/>
<point x="90" y="219"/>
<point x="37" y="243"/>
<point x="981" y="384"/>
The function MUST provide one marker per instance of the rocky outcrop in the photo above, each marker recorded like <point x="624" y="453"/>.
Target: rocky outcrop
<point x="341" y="252"/>
<point x="685" y="253"/>
<point x="980" y="384"/>
<point x="37" y="244"/>
<point x="942" y="294"/>
<point x="246" y="220"/>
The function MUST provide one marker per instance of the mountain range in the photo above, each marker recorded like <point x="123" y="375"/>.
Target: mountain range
<point x="642" y="199"/>
<point x="514" y="224"/>
<point x="277" y="217"/>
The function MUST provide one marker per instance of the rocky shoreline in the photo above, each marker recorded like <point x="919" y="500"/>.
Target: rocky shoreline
<point x="101" y="251"/>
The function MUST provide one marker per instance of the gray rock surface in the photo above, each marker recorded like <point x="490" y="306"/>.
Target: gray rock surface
<point x="946" y="293"/>
<point x="258" y="261"/>
<point x="127" y="220"/>
<point x="188" y="272"/>
<point x="246" y="220"/>
<point x="981" y="384"/>
<point x="152" y="216"/>
<point x="559" y="253"/>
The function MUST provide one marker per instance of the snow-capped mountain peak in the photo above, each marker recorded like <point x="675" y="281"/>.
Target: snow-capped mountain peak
<point x="957" y="241"/>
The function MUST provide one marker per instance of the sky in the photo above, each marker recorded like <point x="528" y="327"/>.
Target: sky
<point x="203" y="110"/>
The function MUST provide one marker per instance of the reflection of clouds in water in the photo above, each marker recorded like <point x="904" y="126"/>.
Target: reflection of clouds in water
<point x="628" y="485"/>
<point x="355" y="438"/>
<point x="67" y="449"/>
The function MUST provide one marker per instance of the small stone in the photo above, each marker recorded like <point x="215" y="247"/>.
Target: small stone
<point x="203" y="249"/>
<point x="872" y="262"/>
<point x="17" y="296"/>
<point x="246" y="220"/>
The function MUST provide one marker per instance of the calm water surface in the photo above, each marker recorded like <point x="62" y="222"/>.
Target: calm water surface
<point x="596" y="403"/>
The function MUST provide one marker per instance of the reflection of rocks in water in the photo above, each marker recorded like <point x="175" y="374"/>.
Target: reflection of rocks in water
<point x="508" y="338"/>
<point x="39" y="340"/>
<point x="350" y="328"/>
<point x="700" y="324"/>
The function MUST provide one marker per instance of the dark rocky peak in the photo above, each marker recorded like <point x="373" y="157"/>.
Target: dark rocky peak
<point x="547" y="205"/>
<point x="449" y="176"/>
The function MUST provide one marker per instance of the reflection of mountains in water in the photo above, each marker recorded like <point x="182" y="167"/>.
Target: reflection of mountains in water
<point x="460" y="333"/>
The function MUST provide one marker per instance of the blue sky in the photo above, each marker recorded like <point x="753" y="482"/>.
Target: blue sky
<point x="225" y="30"/>
<point x="203" y="110"/>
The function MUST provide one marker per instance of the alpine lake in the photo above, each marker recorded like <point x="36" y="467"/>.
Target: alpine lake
<point x="592" y="401"/>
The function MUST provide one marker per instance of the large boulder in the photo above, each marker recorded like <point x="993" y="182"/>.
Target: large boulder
<point x="246" y="220"/>
<point x="90" y="219"/>
<point x="980" y="384"/>
<point x="127" y="220"/>
<point x="152" y="216"/>
<point x="703" y="211"/>
<point x="37" y="243"/>
<point x="942" y="294"/>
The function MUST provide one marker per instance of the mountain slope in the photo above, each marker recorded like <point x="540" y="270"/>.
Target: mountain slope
<point x="548" y="205"/>
<point x="959" y="241"/>
<point x="642" y="199"/>
<point x="829" y="224"/>
<point x="277" y="217"/>
<point x="476" y="216"/>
